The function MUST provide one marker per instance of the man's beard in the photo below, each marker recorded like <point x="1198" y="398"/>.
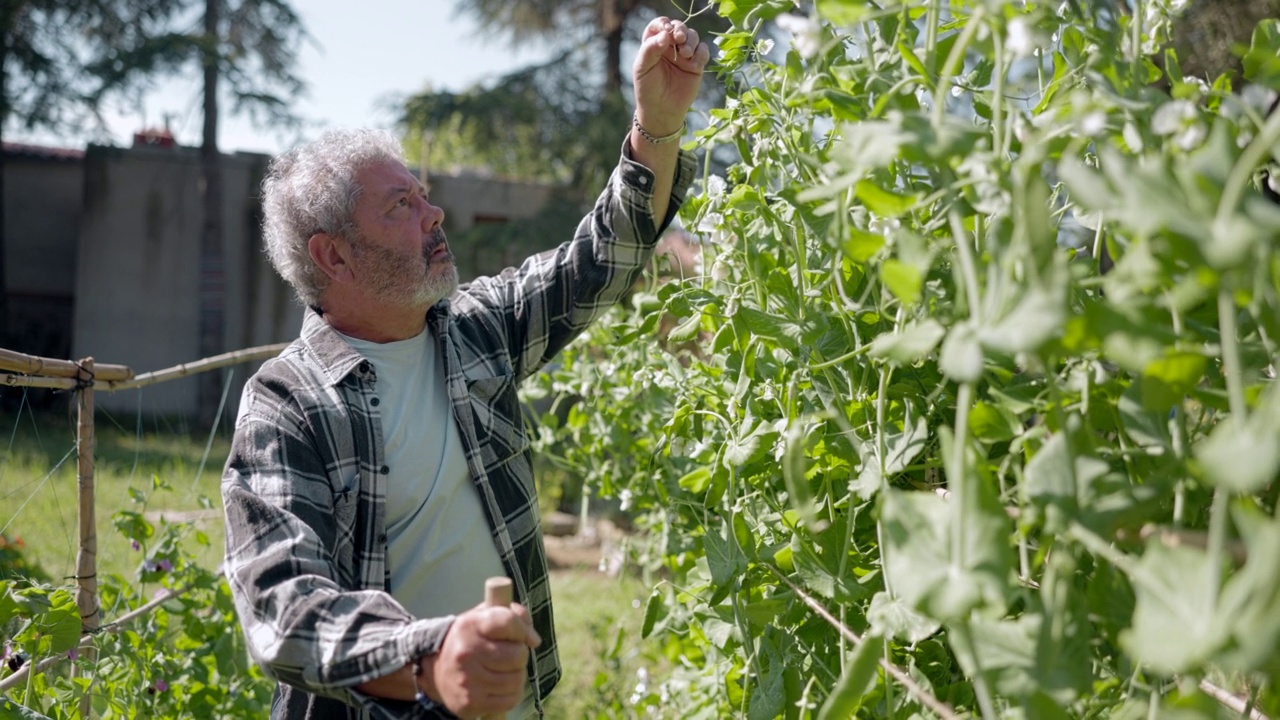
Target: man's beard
<point x="411" y="281"/>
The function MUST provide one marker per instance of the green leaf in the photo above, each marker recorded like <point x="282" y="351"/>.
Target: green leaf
<point x="916" y="340"/>
<point x="894" y="618"/>
<point x="862" y="246"/>
<point x="769" y="696"/>
<point x="883" y="202"/>
<point x="687" y="329"/>
<point x="1244" y="456"/>
<point x="723" y="558"/>
<point x="903" y="280"/>
<point x="843" y="12"/>
<point x="993" y="423"/>
<point x="856" y="681"/>
<point x="1262" y="61"/>
<point x="696" y="481"/>
<point x="1167" y="380"/>
<point x="1173" y="589"/>
<point x="783" y="331"/>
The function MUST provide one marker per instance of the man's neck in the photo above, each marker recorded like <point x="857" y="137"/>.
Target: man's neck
<point x="373" y="321"/>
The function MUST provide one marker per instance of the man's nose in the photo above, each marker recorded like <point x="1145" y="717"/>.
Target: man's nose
<point x="432" y="216"/>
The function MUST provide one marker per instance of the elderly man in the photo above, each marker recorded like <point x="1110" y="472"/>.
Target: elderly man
<point x="380" y="470"/>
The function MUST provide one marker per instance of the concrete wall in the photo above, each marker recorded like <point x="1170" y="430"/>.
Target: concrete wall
<point x="137" y="289"/>
<point x="42" y="208"/>
<point x="104" y="258"/>
<point x="469" y="201"/>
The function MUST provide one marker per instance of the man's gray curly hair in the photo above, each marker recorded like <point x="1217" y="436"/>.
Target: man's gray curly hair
<point x="312" y="188"/>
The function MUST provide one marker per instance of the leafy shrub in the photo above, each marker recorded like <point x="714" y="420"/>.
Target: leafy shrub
<point x="183" y="657"/>
<point x="984" y="372"/>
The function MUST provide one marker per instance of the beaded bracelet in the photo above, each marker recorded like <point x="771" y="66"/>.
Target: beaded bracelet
<point x="635" y="121"/>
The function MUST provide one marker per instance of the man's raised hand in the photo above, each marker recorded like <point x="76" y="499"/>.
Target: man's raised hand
<point x="667" y="73"/>
<point x="481" y="666"/>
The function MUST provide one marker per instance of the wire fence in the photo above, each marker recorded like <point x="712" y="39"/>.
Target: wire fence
<point x="86" y="378"/>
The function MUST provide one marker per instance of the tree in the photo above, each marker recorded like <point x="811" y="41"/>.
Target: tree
<point x="560" y="120"/>
<point x="47" y="49"/>
<point x="251" y="46"/>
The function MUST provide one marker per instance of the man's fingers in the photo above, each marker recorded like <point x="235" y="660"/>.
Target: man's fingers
<point x="532" y="638"/>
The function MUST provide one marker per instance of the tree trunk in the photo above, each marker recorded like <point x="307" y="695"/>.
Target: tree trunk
<point x="212" y="265"/>
<point x="612" y="23"/>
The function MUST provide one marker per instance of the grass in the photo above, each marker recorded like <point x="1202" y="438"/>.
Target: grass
<point x="39" y="490"/>
<point x="598" y="618"/>
<point x="598" y="621"/>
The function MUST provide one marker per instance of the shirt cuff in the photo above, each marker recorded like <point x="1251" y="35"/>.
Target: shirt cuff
<point x="636" y="179"/>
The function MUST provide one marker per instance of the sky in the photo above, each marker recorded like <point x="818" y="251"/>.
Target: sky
<point x="355" y="61"/>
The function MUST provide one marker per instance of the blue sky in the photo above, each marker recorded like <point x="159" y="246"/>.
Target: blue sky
<point x="356" y="61"/>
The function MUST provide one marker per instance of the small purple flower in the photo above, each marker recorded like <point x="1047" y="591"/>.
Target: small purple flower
<point x="165" y="566"/>
<point x="161" y="686"/>
<point x="135" y="545"/>
<point x="73" y="654"/>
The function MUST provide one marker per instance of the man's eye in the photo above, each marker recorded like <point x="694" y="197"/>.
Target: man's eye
<point x="402" y="202"/>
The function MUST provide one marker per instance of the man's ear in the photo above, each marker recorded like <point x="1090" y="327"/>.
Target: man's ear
<point x="332" y="254"/>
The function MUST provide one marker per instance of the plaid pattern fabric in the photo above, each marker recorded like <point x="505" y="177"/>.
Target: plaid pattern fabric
<point x="304" y="486"/>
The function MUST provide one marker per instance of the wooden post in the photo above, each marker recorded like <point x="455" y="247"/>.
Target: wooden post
<point x="87" y="558"/>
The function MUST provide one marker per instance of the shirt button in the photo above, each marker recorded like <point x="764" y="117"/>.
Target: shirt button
<point x="644" y="180"/>
<point x="382" y="538"/>
<point x="384" y="469"/>
<point x="375" y="402"/>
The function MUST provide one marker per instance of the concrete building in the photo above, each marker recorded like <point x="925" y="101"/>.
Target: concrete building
<point x="103" y="259"/>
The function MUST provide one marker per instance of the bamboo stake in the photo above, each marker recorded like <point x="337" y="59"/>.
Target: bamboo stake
<point x="87" y="558"/>
<point x="210" y="363"/>
<point x="1232" y="702"/>
<point x="36" y="381"/>
<point x="86" y="639"/>
<point x="926" y="698"/>
<point x="127" y="383"/>
<point x="48" y="367"/>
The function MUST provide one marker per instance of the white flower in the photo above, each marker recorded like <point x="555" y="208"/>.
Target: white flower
<point x="1258" y="97"/>
<point x="1021" y="40"/>
<point x="956" y="91"/>
<point x="1132" y="137"/>
<point x="1201" y="85"/>
<point x="806" y="34"/>
<point x="883" y="226"/>
<point x="1172" y="116"/>
<point x="720" y="271"/>
<point x="625" y="500"/>
<point x="1192" y="136"/>
<point x="1093" y="123"/>
<point x="765" y="47"/>
<point x="716" y="186"/>
<point x="1243" y="140"/>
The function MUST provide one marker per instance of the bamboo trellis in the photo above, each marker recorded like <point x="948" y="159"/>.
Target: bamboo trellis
<point x="86" y="378"/>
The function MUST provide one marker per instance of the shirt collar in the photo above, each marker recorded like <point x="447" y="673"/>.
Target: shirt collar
<point x="335" y="356"/>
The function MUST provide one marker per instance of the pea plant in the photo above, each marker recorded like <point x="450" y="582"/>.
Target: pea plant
<point x="170" y="646"/>
<point x="972" y="409"/>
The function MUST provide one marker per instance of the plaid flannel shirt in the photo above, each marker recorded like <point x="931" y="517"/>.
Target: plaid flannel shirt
<point x="304" y="487"/>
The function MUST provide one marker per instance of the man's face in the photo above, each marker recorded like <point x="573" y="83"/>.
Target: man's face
<point x="400" y="252"/>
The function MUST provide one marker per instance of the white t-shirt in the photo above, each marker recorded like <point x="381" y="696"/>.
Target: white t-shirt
<point x="440" y="547"/>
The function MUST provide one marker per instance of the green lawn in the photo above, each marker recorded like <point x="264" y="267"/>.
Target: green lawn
<point x="39" y="491"/>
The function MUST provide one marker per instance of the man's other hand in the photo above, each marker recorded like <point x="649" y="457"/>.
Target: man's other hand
<point x="481" y="666"/>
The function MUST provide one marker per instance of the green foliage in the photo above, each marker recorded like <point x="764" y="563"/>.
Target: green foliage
<point x="983" y="362"/>
<point x="184" y="657"/>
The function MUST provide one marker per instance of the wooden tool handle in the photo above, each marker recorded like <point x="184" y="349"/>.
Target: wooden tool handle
<point x="497" y="593"/>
